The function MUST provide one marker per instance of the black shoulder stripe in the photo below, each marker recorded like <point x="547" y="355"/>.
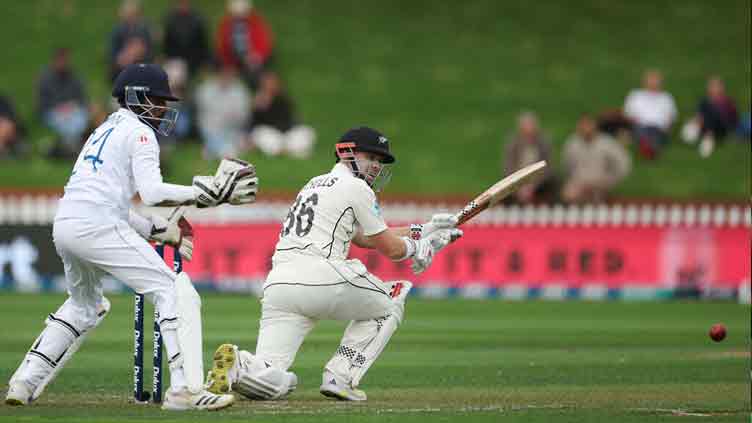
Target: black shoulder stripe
<point x="331" y="244"/>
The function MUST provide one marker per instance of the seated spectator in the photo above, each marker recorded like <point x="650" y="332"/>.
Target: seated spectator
<point x="593" y="163"/>
<point x="716" y="117"/>
<point x="186" y="37"/>
<point x="274" y="128"/>
<point x="62" y="105"/>
<point x="222" y="107"/>
<point x="244" y="40"/>
<point x="11" y="130"/>
<point x="525" y="147"/>
<point x="131" y="40"/>
<point x="652" y="112"/>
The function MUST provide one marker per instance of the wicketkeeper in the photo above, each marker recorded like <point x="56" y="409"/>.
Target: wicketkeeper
<point x="96" y="234"/>
<point x="312" y="278"/>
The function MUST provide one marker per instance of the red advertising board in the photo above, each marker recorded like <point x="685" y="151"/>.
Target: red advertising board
<point x="497" y="255"/>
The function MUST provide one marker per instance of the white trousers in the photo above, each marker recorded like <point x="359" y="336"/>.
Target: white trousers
<point x="92" y="248"/>
<point x="291" y="309"/>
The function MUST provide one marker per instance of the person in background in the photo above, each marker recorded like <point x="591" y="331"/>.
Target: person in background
<point x="744" y="131"/>
<point x="222" y="107"/>
<point x="274" y="127"/>
<point x="12" y="131"/>
<point x="592" y="164"/>
<point x="527" y="146"/>
<point x="613" y="122"/>
<point x="63" y="105"/>
<point x="186" y="36"/>
<point x="716" y="117"/>
<point x="652" y="111"/>
<point x="244" y="41"/>
<point x="177" y="74"/>
<point x="131" y="41"/>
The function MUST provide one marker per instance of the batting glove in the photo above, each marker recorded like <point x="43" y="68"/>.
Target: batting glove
<point x="429" y="246"/>
<point x="438" y="221"/>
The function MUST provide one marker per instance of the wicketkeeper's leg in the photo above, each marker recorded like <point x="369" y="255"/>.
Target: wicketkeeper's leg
<point x="65" y="331"/>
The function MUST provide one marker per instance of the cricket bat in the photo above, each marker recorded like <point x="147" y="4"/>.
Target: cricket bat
<point x="500" y="190"/>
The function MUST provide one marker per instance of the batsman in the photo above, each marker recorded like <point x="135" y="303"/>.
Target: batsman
<point x="312" y="279"/>
<point x="96" y="235"/>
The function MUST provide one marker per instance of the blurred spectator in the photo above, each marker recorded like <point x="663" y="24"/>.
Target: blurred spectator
<point x="131" y="40"/>
<point x="186" y="36"/>
<point x="244" y="40"/>
<point x="62" y="105"/>
<point x="275" y="129"/>
<point x="716" y="117"/>
<point x="177" y="75"/>
<point x="222" y="107"/>
<point x="11" y="130"/>
<point x="614" y="123"/>
<point x="525" y="147"/>
<point x="593" y="163"/>
<point x="652" y="112"/>
<point x="744" y="131"/>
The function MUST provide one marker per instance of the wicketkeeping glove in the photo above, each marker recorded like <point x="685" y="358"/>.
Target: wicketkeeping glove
<point x="235" y="183"/>
<point x="175" y="231"/>
<point x="427" y="247"/>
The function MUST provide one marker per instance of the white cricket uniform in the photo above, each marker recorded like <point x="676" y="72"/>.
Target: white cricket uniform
<point x="95" y="236"/>
<point x="92" y="232"/>
<point x="311" y="278"/>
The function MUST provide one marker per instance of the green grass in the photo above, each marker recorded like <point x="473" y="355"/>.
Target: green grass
<point x="445" y="80"/>
<point x="454" y="360"/>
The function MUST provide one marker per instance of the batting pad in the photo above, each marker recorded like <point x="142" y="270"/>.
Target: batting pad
<point x="364" y="340"/>
<point x="257" y="379"/>
<point x="102" y="310"/>
<point x="189" y="331"/>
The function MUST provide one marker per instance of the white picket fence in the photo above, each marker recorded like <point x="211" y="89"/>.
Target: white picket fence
<point x="40" y="209"/>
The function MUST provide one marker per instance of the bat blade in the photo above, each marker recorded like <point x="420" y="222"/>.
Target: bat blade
<point x="500" y="190"/>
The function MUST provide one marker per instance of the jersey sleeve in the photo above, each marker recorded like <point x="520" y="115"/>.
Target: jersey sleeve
<point x="366" y="209"/>
<point x="147" y="174"/>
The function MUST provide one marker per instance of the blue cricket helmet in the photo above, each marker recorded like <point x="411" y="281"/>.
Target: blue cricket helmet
<point x="146" y="77"/>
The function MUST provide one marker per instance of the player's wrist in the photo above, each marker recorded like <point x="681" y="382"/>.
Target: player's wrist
<point x="410" y="248"/>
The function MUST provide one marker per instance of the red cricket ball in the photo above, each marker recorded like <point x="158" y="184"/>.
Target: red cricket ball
<point x="717" y="332"/>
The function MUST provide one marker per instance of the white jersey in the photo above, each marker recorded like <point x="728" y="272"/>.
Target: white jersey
<point x="327" y="214"/>
<point x="120" y="158"/>
<point x="650" y="108"/>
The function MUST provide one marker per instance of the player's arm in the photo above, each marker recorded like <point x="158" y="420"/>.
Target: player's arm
<point x="363" y="241"/>
<point x="415" y="231"/>
<point x="235" y="181"/>
<point x="148" y="176"/>
<point x="393" y="243"/>
<point x="388" y="242"/>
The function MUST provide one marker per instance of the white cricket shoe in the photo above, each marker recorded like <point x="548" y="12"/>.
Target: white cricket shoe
<point x="19" y="393"/>
<point x="183" y="399"/>
<point x="333" y="387"/>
